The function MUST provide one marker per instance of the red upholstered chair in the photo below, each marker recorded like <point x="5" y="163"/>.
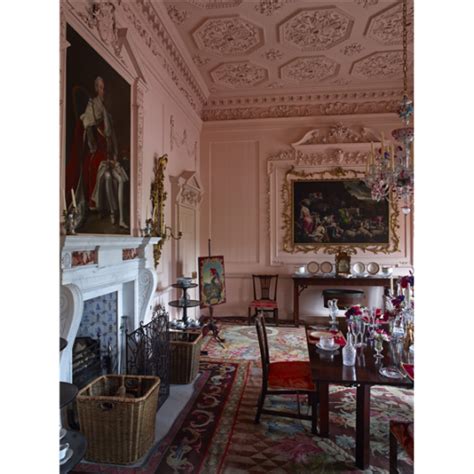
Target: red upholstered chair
<point x="280" y="378"/>
<point x="264" y="296"/>
<point x="401" y="433"/>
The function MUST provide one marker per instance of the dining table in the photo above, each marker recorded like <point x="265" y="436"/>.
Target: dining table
<point x="327" y="368"/>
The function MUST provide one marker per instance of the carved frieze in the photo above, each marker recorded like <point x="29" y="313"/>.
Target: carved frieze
<point x="379" y="65"/>
<point x="316" y="29"/>
<point x="239" y="74"/>
<point x="228" y="36"/>
<point x="312" y="69"/>
<point x="285" y="110"/>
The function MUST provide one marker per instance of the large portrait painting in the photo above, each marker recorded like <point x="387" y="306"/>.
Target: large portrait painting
<point x="336" y="214"/>
<point x="211" y="280"/>
<point x="98" y="116"/>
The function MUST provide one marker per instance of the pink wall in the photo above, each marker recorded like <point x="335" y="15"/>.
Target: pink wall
<point x="235" y="214"/>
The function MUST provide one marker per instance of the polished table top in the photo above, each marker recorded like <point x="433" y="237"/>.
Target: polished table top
<point x="328" y="367"/>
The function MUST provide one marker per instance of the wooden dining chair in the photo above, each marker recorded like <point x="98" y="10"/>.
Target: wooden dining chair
<point x="284" y="378"/>
<point x="264" y="296"/>
<point x="401" y="433"/>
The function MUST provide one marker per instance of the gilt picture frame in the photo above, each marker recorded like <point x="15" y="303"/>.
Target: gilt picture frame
<point x="332" y="211"/>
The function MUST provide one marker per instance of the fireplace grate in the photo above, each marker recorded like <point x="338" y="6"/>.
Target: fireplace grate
<point x="86" y="361"/>
<point x="148" y="351"/>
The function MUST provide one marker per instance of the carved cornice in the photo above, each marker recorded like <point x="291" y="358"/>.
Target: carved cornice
<point x="161" y="41"/>
<point x="304" y="110"/>
<point x="304" y="98"/>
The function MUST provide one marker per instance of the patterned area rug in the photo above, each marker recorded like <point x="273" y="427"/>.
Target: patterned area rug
<point x="216" y="433"/>
<point x="241" y="343"/>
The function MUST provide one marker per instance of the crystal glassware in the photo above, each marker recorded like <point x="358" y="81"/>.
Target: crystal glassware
<point x="333" y="311"/>
<point x="378" y="346"/>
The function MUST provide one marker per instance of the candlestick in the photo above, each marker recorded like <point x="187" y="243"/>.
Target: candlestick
<point x="391" y="285"/>
<point x="371" y="152"/>
<point x="73" y="198"/>
<point x="64" y="199"/>
<point x="382" y="145"/>
<point x="146" y="213"/>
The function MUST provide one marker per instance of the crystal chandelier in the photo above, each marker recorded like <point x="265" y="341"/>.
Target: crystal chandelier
<point x="390" y="168"/>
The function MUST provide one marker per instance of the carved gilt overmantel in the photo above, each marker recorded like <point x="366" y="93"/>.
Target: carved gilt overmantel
<point x="331" y="152"/>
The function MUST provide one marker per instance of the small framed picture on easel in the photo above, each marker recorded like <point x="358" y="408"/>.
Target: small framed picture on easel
<point x="211" y="281"/>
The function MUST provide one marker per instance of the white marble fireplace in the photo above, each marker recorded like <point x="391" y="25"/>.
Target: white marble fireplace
<point x="93" y="266"/>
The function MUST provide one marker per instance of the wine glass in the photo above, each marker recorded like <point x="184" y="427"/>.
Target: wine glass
<point x="378" y="346"/>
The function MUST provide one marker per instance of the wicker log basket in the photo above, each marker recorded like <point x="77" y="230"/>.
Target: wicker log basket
<point x="185" y="351"/>
<point x="119" y="429"/>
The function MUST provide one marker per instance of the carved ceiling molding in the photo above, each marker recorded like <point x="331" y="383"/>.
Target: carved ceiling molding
<point x="387" y="25"/>
<point x="179" y="142"/>
<point x="215" y="3"/>
<point x="367" y="3"/>
<point x="309" y="69"/>
<point x="303" y="99"/>
<point x="316" y="29"/>
<point x="177" y="16"/>
<point x="239" y="74"/>
<point x="160" y="41"/>
<point x="379" y="65"/>
<point x="228" y="36"/>
<point x="278" y="111"/>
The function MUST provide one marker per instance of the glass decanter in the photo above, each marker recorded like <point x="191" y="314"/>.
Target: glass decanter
<point x="333" y="311"/>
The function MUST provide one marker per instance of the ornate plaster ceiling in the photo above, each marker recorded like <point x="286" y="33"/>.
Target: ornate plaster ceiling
<point x="267" y="50"/>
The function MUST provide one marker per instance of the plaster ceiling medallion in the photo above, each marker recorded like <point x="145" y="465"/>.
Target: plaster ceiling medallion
<point x="379" y="65"/>
<point x="352" y="49"/>
<point x="316" y="28"/>
<point x="231" y="35"/>
<point x="272" y="54"/>
<point x="311" y="69"/>
<point x="200" y="60"/>
<point x="267" y="7"/>
<point x="241" y="74"/>
<point x="387" y="25"/>
<point x="215" y="3"/>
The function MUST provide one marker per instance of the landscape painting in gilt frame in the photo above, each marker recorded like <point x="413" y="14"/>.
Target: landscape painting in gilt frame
<point x="97" y="124"/>
<point x="338" y="212"/>
<point x="211" y="280"/>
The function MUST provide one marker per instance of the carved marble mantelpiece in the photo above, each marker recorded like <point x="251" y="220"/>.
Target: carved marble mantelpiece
<point x="92" y="266"/>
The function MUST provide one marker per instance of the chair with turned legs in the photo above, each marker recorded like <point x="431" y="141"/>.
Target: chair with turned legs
<point x="284" y="378"/>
